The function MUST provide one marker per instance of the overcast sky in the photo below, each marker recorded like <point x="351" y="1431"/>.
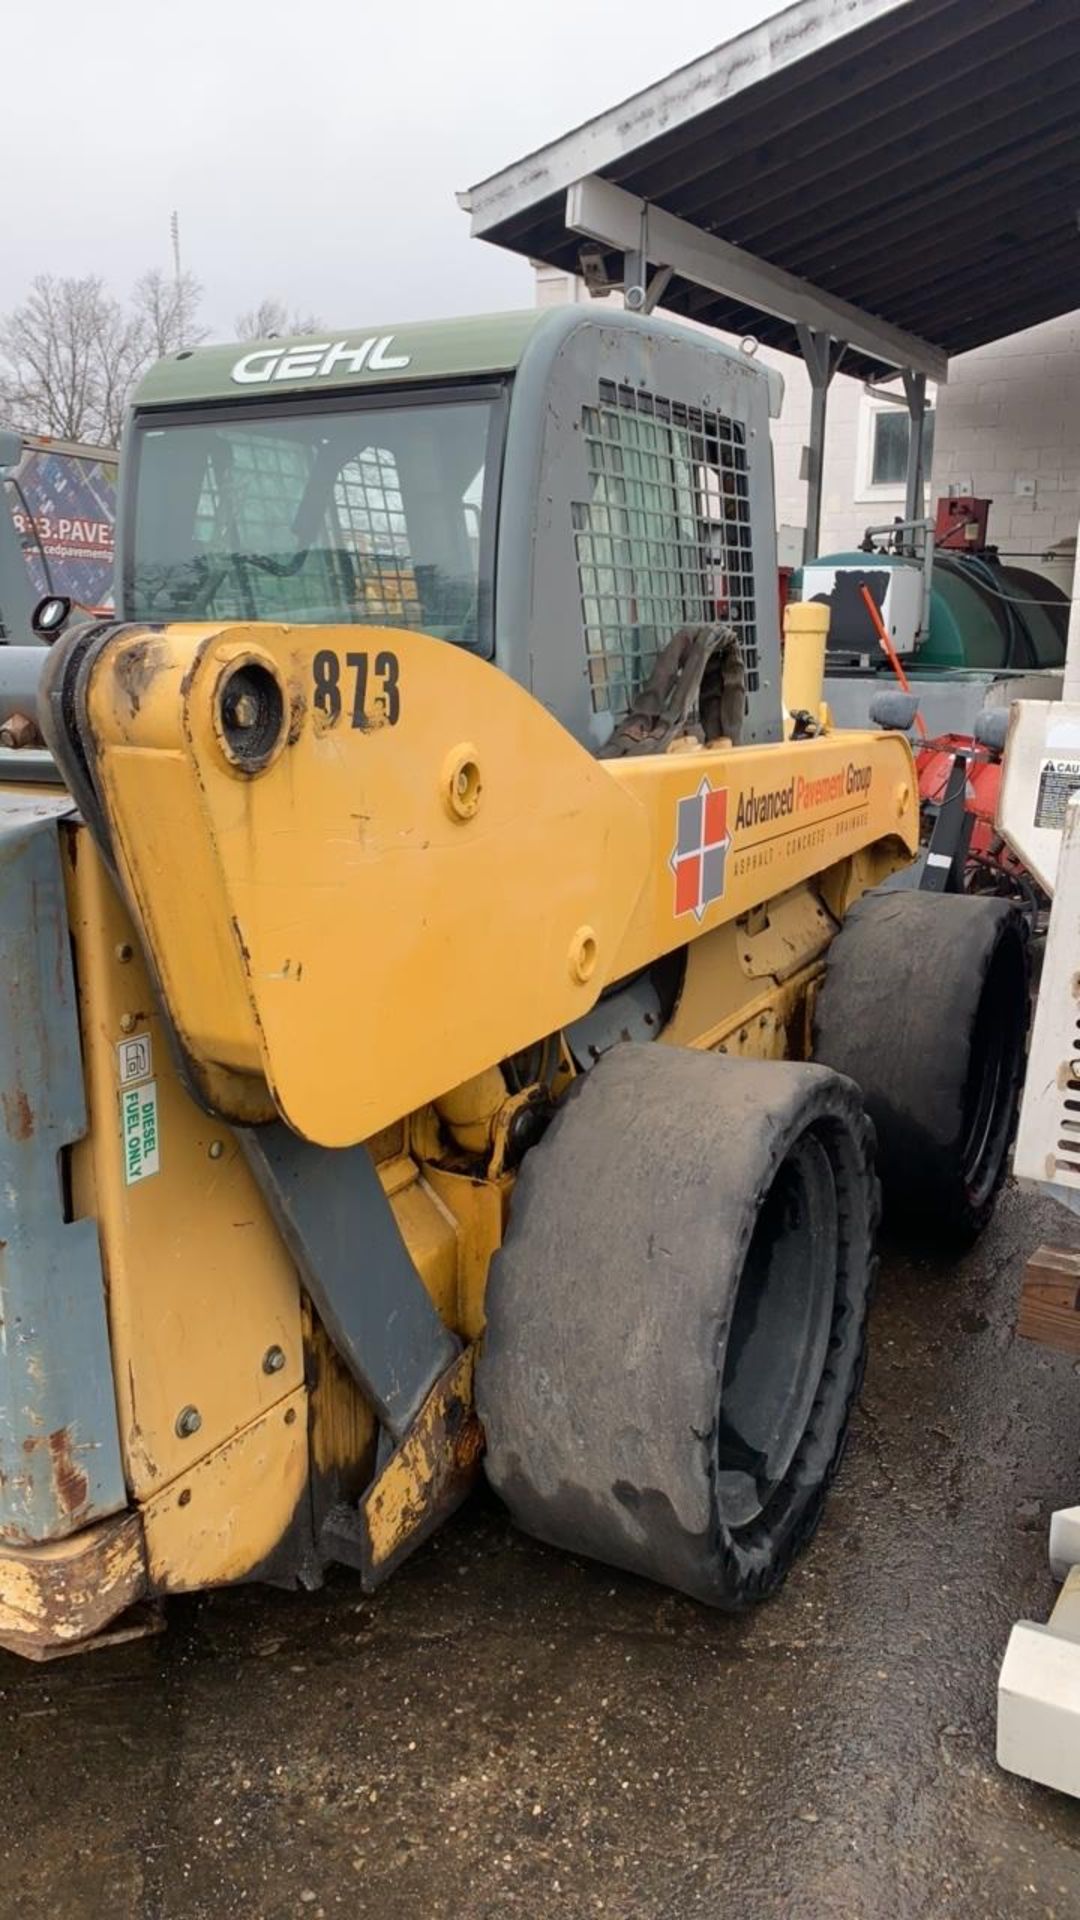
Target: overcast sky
<point x="311" y="150"/>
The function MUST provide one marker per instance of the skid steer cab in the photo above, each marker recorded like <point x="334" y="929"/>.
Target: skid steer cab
<point x="449" y="1006"/>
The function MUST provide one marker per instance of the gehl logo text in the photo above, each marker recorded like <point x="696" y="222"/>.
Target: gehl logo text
<point x="317" y="358"/>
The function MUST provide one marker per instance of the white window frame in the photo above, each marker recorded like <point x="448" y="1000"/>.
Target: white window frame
<point x="866" y="492"/>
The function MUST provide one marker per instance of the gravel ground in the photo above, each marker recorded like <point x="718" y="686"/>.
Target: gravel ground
<point x="507" y="1731"/>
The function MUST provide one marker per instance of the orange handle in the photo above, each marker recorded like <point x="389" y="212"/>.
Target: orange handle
<point x="889" y="650"/>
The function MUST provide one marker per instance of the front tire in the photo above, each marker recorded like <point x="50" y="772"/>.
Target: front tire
<point x="676" y="1322"/>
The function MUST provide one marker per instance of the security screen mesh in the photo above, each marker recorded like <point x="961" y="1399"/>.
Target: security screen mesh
<point x="664" y="539"/>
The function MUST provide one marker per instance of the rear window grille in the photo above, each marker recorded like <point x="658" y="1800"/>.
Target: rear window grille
<point x="664" y="538"/>
<point x="371" y="516"/>
<point x="245" y="497"/>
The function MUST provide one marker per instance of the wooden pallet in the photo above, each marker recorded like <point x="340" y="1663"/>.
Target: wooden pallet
<point x="1050" y="1299"/>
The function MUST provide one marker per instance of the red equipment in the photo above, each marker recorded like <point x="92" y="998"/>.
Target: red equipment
<point x="990" y="867"/>
<point x="961" y="522"/>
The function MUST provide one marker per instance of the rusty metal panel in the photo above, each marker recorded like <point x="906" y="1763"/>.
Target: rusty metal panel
<point x="60" y="1464"/>
<point x="69" y="1594"/>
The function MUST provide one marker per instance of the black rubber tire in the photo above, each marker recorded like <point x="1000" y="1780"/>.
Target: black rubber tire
<point x="635" y="1317"/>
<point x="925" y="1006"/>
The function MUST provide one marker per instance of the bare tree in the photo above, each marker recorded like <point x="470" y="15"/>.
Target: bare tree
<point x="168" y="307"/>
<point x="63" y="352"/>
<point x="271" y="318"/>
<point x="121" y="355"/>
<point x="70" y="355"/>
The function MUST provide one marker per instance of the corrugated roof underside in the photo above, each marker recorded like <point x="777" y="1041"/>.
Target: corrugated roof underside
<point x="925" y="167"/>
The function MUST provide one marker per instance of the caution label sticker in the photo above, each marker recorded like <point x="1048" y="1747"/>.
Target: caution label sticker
<point x="1059" y="777"/>
<point x="139" y="1132"/>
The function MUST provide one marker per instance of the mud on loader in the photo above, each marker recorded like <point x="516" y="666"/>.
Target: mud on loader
<point x="448" y="990"/>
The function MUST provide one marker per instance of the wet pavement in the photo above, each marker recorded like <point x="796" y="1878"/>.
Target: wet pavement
<point x="506" y="1731"/>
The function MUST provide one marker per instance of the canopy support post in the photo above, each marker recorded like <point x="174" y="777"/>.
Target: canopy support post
<point x="915" y="496"/>
<point x="822" y="353"/>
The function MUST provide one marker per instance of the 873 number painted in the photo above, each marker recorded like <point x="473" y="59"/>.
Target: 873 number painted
<point x="327" y="677"/>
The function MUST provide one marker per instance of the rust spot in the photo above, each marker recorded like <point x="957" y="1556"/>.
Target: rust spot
<point x="297" y="710"/>
<point x="188" y="680"/>
<point x="134" y="669"/>
<point x="136" y="1439"/>
<point x="241" y="943"/>
<point x="19" y="730"/>
<point x="469" y="1443"/>
<point x="71" y="1483"/>
<point x="18" y="1114"/>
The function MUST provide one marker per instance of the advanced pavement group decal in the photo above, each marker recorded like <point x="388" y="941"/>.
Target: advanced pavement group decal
<point x="717" y="837"/>
<point x="699" y="857"/>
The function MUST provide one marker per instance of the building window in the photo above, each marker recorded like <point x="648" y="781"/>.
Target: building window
<point x="892" y="436"/>
<point x="664" y="539"/>
<point x="884" y="437"/>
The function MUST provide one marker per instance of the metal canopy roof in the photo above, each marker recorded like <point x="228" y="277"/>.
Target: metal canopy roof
<point x="918" y="160"/>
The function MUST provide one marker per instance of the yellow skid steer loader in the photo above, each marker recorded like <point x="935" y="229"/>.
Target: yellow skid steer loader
<point x="449" y="993"/>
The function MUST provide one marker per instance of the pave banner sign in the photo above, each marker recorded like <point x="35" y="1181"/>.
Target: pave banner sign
<point x="72" y="498"/>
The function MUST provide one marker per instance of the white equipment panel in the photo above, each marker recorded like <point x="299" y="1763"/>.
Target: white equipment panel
<point x="898" y="590"/>
<point x="1048" y="1138"/>
<point x="1041" y="771"/>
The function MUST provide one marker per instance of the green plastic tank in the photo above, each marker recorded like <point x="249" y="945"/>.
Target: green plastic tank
<point x="983" y="614"/>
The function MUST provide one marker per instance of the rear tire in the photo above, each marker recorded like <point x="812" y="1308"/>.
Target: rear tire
<point x="925" y="1006"/>
<point x="676" y="1320"/>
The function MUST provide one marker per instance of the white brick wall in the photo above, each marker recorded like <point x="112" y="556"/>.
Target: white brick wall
<point x="842" y="523"/>
<point x="1008" y="416"/>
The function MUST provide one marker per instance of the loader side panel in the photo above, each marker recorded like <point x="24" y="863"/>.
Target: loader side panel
<point x="201" y="1289"/>
<point x="60" y="1460"/>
